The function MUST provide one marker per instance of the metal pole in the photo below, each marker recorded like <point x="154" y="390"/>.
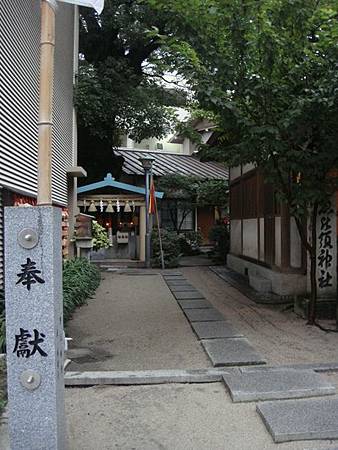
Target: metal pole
<point x="147" y="220"/>
<point x="47" y="45"/>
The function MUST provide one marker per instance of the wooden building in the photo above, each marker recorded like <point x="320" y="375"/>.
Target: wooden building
<point x="265" y="243"/>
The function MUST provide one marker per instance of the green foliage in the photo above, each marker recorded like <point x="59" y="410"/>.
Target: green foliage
<point x="3" y="389"/>
<point x="213" y="192"/>
<point x="267" y="71"/>
<point x="220" y="236"/>
<point x="100" y="236"/>
<point x="188" y="192"/>
<point x="190" y="242"/>
<point x="171" y="248"/>
<point x="80" y="280"/>
<point x="120" y="86"/>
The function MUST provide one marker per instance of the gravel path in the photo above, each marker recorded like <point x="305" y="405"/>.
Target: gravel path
<point x="133" y="323"/>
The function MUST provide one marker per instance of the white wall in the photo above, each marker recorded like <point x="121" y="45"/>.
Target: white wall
<point x="235" y="172"/>
<point x="261" y="239"/>
<point x="247" y="167"/>
<point x="235" y="237"/>
<point x="250" y="238"/>
<point x="278" y="242"/>
<point x="295" y="246"/>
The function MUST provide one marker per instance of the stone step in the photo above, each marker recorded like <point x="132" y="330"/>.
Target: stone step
<point x="214" y="330"/>
<point x="297" y="420"/>
<point x="231" y="352"/>
<point x="276" y="384"/>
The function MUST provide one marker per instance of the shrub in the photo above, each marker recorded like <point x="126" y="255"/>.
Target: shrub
<point x="171" y="248"/>
<point x="100" y="236"/>
<point x="190" y="242"/>
<point x="219" y="235"/>
<point x="80" y="280"/>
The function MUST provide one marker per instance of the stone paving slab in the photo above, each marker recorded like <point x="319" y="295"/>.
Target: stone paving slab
<point x="194" y="304"/>
<point x="231" y="352"/>
<point x="296" y="420"/>
<point x="178" y="276"/>
<point x="177" y="282"/>
<point x="277" y="384"/>
<point x="189" y="295"/>
<point x="182" y="288"/>
<point x="203" y="315"/>
<point x="213" y="330"/>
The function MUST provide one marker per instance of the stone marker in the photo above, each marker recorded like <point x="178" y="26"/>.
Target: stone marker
<point x="297" y="420"/>
<point x="203" y="315"/>
<point x="327" y="251"/>
<point x="182" y="288"/>
<point x="213" y="330"/>
<point x="276" y="384"/>
<point x="194" y="304"/>
<point x="231" y="352"/>
<point x="188" y="295"/>
<point x="34" y="328"/>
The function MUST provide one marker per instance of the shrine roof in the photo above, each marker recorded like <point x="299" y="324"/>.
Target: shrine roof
<point x="166" y="163"/>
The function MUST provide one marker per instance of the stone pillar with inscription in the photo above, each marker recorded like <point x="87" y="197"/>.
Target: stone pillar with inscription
<point x="34" y="328"/>
<point x="327" y="251"/>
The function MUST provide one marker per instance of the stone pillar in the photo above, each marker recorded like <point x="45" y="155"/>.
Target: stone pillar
<point x="34" y="328"/>
<point x="327" y="251"/>
<point x="142" y="252"/>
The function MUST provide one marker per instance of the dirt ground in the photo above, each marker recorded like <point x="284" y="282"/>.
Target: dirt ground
<point x="278" y="334"/>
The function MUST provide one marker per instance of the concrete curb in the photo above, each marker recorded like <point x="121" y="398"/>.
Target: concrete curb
<point x="146" y="377"/>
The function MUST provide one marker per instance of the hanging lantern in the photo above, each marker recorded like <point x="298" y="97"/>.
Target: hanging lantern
<point x="127" y="207"/>
<point x="92" y="207"/>
<point x="110" y="208"/>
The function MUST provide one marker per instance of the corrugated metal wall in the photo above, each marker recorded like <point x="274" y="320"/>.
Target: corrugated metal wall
<point x="1" y="243"/>
<point x="19" y="90"/>
<point x="19" y="104"/>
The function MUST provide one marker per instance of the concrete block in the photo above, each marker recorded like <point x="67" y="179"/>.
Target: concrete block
<point x="231" y="352"/>
<point x="145" y="377"/>
<point x="203" y="315"/>
<point x="189" y="295"/>
<point x="213" y="330"/>
<point x="276" y="384"/>
<point x="297" y="420"/>
<point x="194" y="304"/>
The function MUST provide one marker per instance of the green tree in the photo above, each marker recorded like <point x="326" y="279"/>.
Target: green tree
<point x="181" y="193"/>
<point x="186" y="193"/>
<point x="120" y="86"/>
<point x="267" y="70"/>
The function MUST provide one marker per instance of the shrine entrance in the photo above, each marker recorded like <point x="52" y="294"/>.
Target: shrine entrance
<point x="121" y="209"/>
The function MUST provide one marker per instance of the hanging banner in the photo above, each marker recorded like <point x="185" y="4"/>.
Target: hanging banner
<point x="96" y="4"/>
